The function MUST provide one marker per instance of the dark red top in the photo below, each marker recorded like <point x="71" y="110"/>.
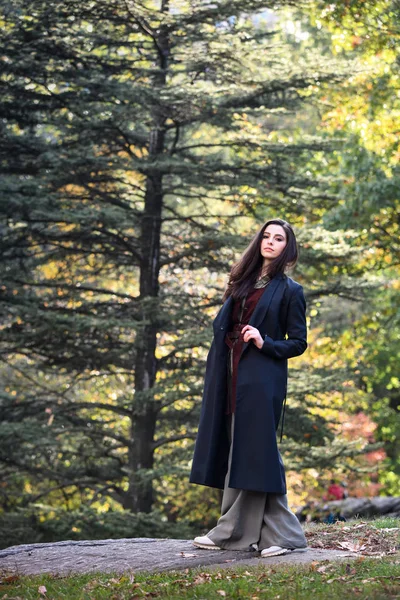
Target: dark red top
<point x="234" y="339"/>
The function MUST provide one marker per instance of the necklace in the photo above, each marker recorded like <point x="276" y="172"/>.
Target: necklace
<point x="262" y="282"/>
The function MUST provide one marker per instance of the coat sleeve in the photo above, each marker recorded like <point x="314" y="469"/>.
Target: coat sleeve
<point x="296" y="342"/>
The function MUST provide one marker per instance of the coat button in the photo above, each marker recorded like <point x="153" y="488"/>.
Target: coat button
<point x="221" y="328"/>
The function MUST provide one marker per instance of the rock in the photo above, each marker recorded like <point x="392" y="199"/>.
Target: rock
<point x="134" y="555"/>
<point x="357" y="507"/>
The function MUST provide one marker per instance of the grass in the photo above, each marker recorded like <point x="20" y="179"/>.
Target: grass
<point x="365" y="577"/>
<point x="368" y="578"/>
<point x="386" y="522"/>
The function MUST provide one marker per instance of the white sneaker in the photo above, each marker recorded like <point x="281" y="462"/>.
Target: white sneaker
<point x="278" y="551"/>
<point x="274" y="551"/>
<point x="204" y="542"/>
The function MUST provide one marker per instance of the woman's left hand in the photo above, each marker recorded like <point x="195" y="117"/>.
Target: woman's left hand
<point x="251" y="333"/>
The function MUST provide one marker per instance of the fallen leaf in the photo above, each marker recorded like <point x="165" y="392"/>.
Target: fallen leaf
<point x="179" y="581"/>
<point x="221" y="592"/>
<point x="349" y="570"/>
<point x="42" y="590"/>
<point x="202" y="578"/>
<point x="357" y="547"/>
<point x="9" y="579"/>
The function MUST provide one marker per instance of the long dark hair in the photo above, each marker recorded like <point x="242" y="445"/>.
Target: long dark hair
<point x="244" y="273"/>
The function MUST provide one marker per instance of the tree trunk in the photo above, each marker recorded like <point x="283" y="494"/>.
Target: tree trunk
<point x="140" y="493"/>
<point x="144" y="414"/>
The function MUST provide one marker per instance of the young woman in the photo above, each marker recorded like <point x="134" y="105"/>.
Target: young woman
<point x="261" y="324"/>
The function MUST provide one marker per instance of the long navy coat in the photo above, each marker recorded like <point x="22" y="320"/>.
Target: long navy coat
<point x="261" y="389"/>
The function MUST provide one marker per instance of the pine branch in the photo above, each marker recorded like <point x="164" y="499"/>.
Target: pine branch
<point x="174" y="438"/>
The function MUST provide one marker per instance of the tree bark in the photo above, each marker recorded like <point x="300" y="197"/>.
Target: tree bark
<point x="144" y="415"/>
<point x="140" y="495"/>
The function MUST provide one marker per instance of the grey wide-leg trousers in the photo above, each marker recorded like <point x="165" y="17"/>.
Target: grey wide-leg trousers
<point x="255" y="518"/>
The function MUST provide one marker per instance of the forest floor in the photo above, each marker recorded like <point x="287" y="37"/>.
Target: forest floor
<point x="365" y="564"/>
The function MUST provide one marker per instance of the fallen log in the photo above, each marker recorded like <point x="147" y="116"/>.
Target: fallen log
<point x="388" y="506"/>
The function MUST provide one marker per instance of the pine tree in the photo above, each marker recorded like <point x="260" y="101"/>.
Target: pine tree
<point x="139" y="141"/>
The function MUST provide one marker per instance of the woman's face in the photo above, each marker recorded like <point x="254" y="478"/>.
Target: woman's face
<point x="273" y="242"/>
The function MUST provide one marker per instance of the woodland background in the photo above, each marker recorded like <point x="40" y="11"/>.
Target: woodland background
<point x="142" y="145"/>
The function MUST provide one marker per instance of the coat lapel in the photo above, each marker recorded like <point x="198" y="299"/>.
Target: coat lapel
<point x="263" y="304"/>
<point x="223" y="317"/>
<point x="221" y="320"/>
